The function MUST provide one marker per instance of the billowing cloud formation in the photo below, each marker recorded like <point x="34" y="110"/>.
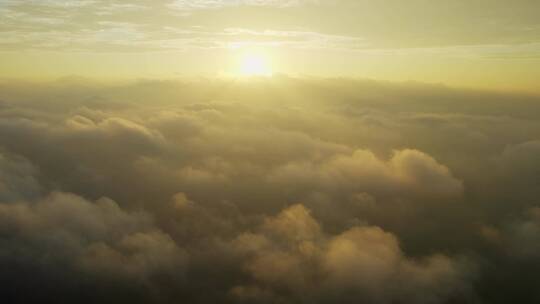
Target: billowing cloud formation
<point x="366" y="264"/>
<point x="17" y="178"/>
<point x="280" y="190"/>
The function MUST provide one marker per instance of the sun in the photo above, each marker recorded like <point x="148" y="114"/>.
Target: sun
<point x="255" y="65"/>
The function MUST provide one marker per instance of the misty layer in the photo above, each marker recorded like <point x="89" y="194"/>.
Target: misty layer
<point x="274" y="190"/>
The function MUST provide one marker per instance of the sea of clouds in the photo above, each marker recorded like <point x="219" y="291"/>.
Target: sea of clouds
<point x="279" y="190"/>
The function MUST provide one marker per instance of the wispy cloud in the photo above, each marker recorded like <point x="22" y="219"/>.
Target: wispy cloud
<point x="216" y="4"/>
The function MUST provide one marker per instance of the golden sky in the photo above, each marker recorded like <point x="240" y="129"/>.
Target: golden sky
<point x="479" y="43"/>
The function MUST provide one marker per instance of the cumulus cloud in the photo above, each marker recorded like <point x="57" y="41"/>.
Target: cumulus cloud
<point x="65" y="232"/>
<point x="17" y="178"/>
<point x="293" y="255"/>
<point x="280" y="190"/>
<point x="407" y="170"/>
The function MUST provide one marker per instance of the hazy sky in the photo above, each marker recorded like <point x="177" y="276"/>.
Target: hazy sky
<point x="479" y="43"/>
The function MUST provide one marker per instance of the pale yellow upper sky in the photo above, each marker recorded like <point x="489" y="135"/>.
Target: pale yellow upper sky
<point x="476" y="43"/>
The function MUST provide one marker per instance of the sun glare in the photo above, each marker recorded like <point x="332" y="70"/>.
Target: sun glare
<point x="255" y="65"/>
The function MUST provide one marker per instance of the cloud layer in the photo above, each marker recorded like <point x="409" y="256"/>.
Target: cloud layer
<point x="281" y="190"/>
